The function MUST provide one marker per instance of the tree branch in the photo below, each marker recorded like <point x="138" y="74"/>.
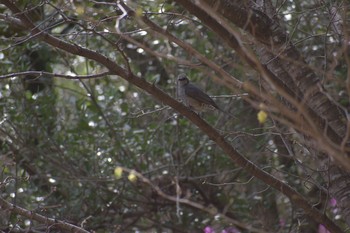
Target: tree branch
<point x="48" y="74"/>
<point x="50" y="222"/>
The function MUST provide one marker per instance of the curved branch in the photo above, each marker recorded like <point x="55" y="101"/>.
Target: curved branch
<point x="49" y="74"/>
<point x="209" y="209"/>
<point x="50" y="222"/>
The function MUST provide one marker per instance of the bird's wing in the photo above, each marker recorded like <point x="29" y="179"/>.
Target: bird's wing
<point x="197" y="94"/>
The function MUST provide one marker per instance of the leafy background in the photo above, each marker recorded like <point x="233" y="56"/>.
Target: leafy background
<point x="61" y="139"/>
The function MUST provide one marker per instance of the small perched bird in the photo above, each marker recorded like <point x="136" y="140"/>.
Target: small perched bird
<point x="193" y="97"/>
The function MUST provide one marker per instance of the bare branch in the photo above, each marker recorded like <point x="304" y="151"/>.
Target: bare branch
<point x="52" y="75"/>
<point x="50" y="222"/>
<point x="209" y="209"/>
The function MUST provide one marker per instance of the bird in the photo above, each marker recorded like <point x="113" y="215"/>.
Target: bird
<point x="193" y="97"/>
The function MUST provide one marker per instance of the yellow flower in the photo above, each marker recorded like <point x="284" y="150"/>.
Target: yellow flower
<point x="139" y="12"/>
<point x="132" y="177"/>
<point x="262" y="116"/>
<point x="118" y="172"/>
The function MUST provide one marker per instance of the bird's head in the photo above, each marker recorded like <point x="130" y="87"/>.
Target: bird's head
<point x="182" y="79"/>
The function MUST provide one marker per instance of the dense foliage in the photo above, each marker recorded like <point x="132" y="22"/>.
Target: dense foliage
<point x="67" y="122"/>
